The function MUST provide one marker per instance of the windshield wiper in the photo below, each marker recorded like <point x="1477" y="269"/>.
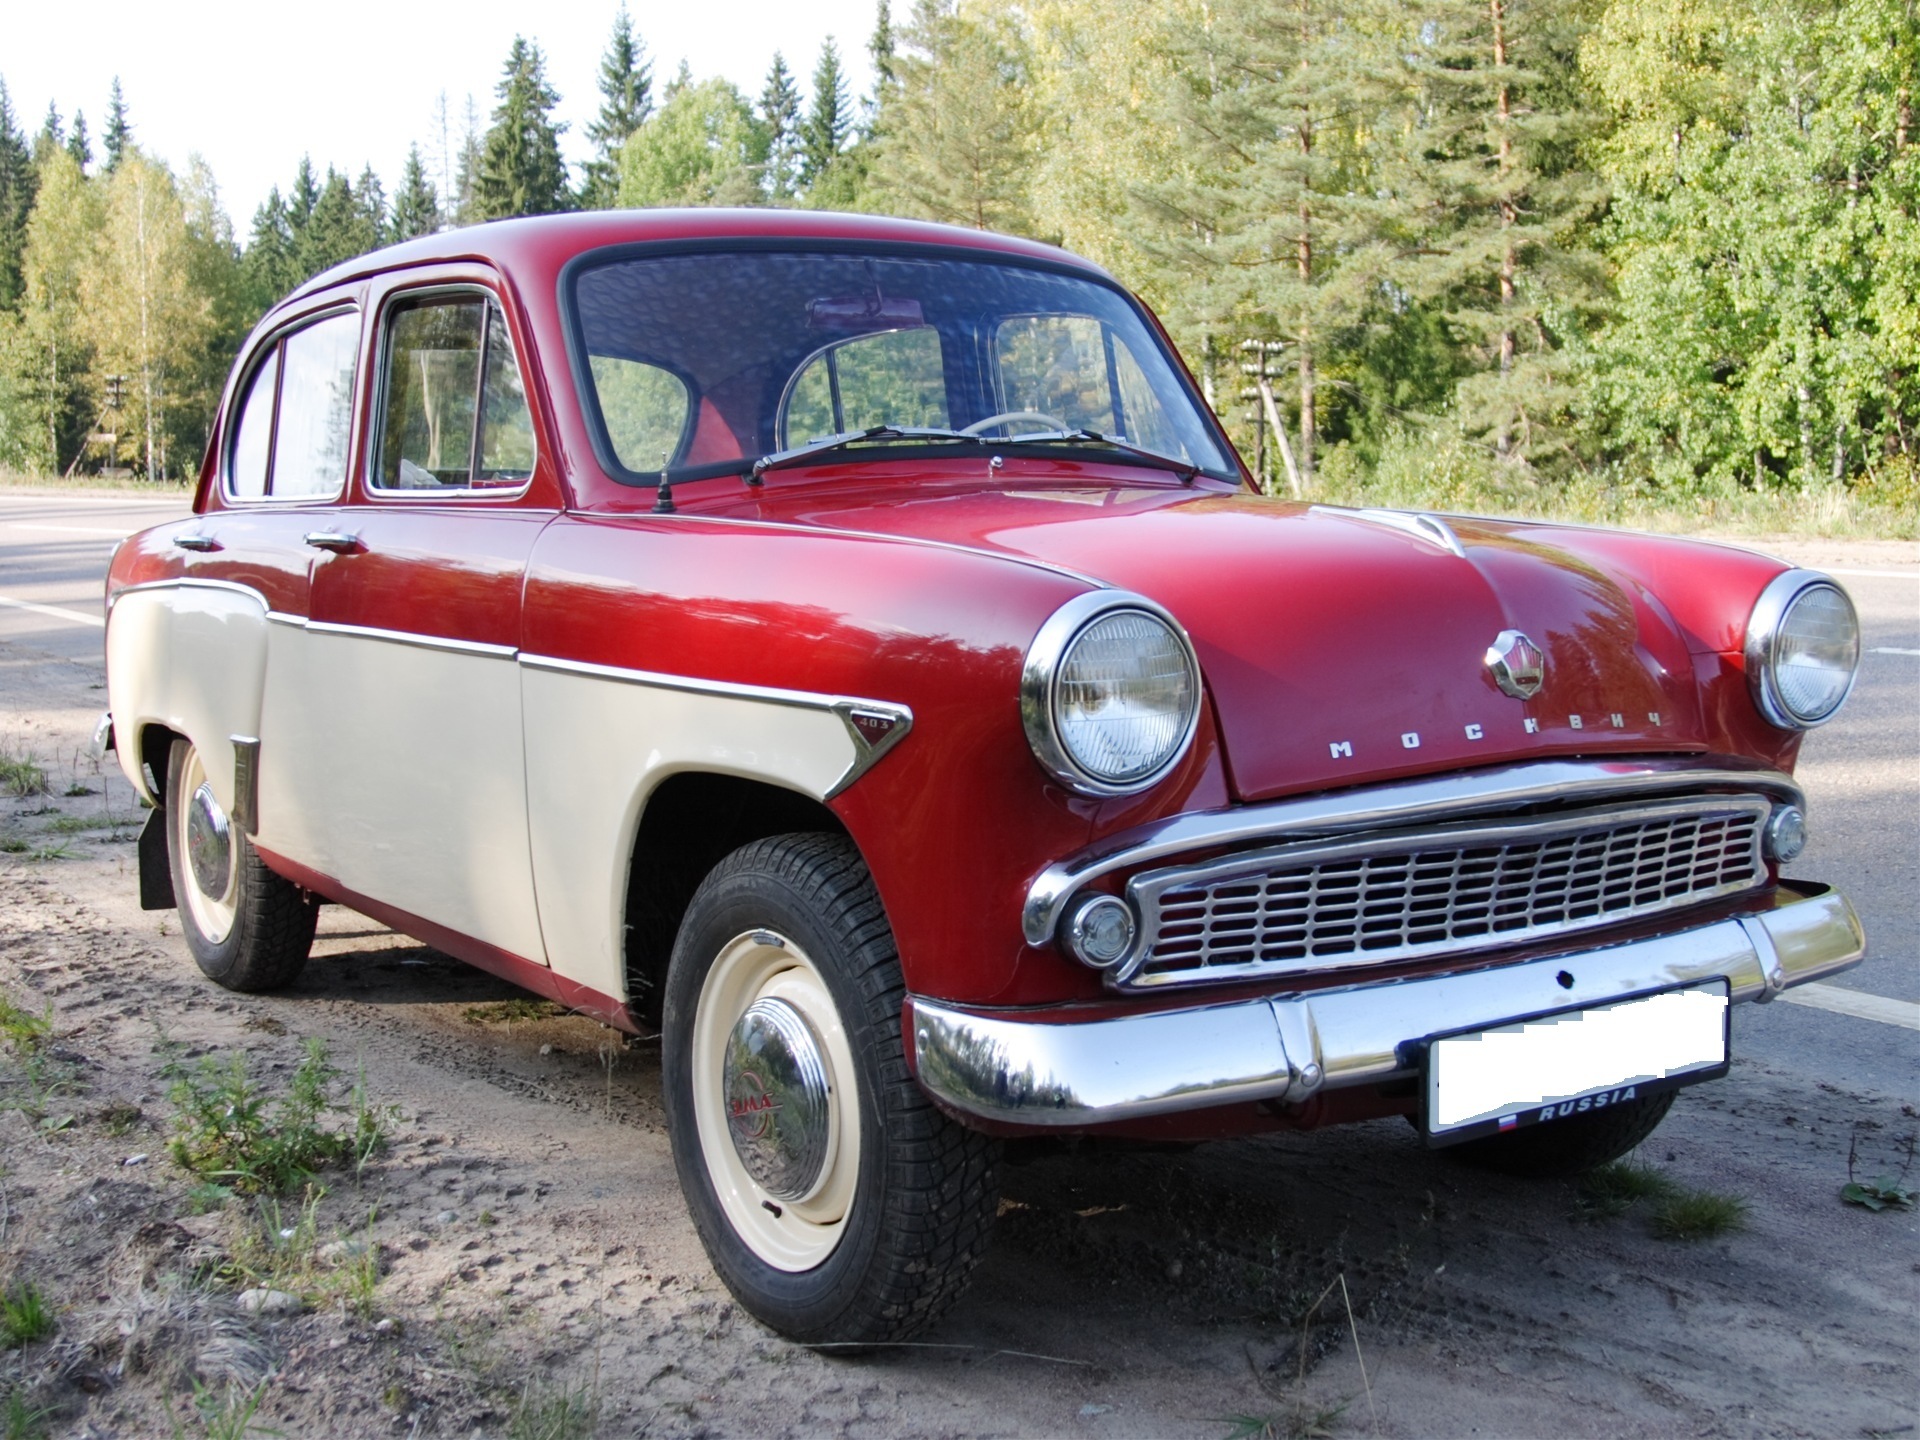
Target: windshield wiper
<point x="826" y="443"/>
<point x="1185" y="469"/>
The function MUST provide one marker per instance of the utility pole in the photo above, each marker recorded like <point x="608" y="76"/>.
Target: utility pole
<point x="1259" y="370"/>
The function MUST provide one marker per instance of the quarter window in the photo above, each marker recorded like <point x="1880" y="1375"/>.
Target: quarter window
<point x="896" y="377"/>
<point x="296" y="423"/>
<point x="455" y="413"/>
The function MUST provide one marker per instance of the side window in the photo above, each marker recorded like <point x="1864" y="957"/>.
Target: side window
<point x="253" y="436"/>
<point x="454" y="415"/>
<point x="646" y="409"/>
<point x="316" y="408"/>
<point x="896" y="377"/>
<point x="297" y="419"/>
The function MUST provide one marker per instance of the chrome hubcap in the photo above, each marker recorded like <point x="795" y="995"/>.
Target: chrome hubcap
<point x="209" y="843"/>
<point x="775" y="1080"/>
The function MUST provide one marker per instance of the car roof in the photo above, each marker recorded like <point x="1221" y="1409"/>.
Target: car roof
<point x="544" y="242"/>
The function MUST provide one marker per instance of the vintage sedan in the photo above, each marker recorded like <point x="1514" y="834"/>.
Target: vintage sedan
<point x="853" y="648"/>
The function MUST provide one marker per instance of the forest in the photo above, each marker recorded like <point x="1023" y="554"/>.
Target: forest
<point x="1520" y="254"/>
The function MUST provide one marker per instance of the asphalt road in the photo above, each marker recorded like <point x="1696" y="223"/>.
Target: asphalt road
<point x="1862" y="776"/>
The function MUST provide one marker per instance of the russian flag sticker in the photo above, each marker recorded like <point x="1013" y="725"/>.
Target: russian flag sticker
<point x="1508" y="1122"/>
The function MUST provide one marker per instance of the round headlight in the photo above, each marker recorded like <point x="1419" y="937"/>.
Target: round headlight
<point x="1803" y="649"/>
<point x="1110" y="694"/>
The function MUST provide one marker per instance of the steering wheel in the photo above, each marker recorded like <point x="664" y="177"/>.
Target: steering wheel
<point x="1008" y="417"/>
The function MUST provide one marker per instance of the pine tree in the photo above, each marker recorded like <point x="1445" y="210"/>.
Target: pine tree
<point x="829" y="120"/>
<point x="343" y="225"/>
<point x="302" y="198"/>
<point x="416" y="208"/>
<point x="780" y="129"/>
<point x="522" y="172"/>
<point x="959" y="138"/>
<point x="78" y="145"/>
<point x="370" y="202"/>
<point x="268" y="266"/>
<point x="19" y="183"/>
<point x="53" y="133"/>
<point x="626" y="100"/>
<point x="1496" y="208"/>
<point x="118" y="136"/>
<point x="463" y="202"/>
<point x="880" y="49"/>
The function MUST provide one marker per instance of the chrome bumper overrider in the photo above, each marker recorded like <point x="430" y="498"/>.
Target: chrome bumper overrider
<point x="1070" y="1074"/>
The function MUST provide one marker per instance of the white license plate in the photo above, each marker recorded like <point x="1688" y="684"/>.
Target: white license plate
<point x="1575" y="1062"/>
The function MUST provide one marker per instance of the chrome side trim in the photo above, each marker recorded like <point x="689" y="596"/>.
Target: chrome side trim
<point x="1073" y="1074"/>
<point x="1411" y="802"/>
<point x="892" y="720"/>
<point x="408" y="637"/>
<point x="102" y="736"/>
<point x="246" y="783"/>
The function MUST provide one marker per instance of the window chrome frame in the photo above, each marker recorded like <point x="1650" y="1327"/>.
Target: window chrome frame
<point x="1039" y="680"/>
<point x="377" y="406"/>
<point x="793" y="380"/>
<point x="1762" y="646"/>
<point x="275" y="346"/>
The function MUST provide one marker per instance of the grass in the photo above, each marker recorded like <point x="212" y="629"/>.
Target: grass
<point x="79" y="824"/>
<point x="20" y="1420"/>
<point x="229" y="1132"/>
<point x="11" y="846"/>
<point x="59" y="851"/>
<point x="24" y="1316"/>
<point x="505" y="1012"/>
<point x="553" y="1412"/>
<point x="21" y="776"/>
<point x="276" y="1248"/>
<point x="1697" y="1215"/>
<point x="1614" y="1189"/>
<point x="1298" y="1424"/>
<point x="226" y="1413"/>
<point x="82" y="484"/>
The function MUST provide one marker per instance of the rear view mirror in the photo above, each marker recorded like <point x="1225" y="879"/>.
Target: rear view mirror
<point x="855" y="314"/>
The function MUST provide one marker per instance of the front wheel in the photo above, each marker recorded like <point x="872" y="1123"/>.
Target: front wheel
<point x="836" y="1202"/>
<point x="248" y="928"/>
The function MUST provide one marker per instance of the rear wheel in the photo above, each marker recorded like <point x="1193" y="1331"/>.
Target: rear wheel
<point x="1571" y="1146"/>
<point x="248" y="928"/>
<point x="836" y="1202"/>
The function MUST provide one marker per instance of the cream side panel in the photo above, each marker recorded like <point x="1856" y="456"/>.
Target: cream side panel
<point x="290" y="824"/>
<point x="194" y="659"/>
<point x="597" y="748"/>
<point x="408" y="780"/>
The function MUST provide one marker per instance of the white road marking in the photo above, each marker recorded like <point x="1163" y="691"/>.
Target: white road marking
<point x="1873" y="574"/>
<point x="72" y="617"/>
<point x="1892" y="650"/>
<point x="1857" y="1003"/>
<point x="65" y="529"/>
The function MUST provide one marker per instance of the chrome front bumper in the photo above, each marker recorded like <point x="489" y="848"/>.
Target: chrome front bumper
<point x="1061" y="1073"/>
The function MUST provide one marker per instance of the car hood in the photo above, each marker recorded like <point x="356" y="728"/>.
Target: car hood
<point x="1338" y="645"/>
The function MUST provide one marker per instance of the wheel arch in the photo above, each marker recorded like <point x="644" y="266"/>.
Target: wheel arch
<point x="688" y="823"/>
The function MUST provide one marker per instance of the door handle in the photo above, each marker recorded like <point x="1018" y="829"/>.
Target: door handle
<point x="334" y="540"/>
<point x="196" y="542"/>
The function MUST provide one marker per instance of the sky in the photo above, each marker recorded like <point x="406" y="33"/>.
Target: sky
<point x="253" y="86"/>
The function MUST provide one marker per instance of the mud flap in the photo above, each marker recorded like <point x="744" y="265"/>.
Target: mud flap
<point x="156" y="876"/>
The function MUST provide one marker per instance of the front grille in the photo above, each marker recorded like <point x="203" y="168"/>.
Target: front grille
<point x="1379" y="899"/>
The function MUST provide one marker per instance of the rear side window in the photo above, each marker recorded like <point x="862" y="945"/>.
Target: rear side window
<point x="296" y="422"/>
<point x="454" y="412"/>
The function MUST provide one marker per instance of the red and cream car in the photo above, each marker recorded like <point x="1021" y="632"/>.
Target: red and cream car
<point x="853" y="648"/>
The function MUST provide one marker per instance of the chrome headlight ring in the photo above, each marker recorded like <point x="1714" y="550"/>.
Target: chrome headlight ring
<point x="1040" y="691"/>
<point x="1771" y="628"/>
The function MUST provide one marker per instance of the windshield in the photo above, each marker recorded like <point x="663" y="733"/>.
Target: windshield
<point x="712" y="361"/>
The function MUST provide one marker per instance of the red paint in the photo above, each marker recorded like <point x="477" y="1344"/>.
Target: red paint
<point x="514" y="969"/>
<point x="923" y="583"/>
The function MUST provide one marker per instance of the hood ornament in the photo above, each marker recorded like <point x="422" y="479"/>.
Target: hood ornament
<point x="1517" y="665"/>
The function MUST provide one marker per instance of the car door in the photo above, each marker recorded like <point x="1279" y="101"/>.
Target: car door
<point x="412" y="686"/>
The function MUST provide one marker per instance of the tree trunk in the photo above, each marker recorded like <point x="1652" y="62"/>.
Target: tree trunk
<point x="1509" y="213"/>
<point x="1304" y="261"/>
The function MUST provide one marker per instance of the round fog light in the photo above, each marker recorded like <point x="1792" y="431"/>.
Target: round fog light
<point x="1100" y="930"/>
<point x="1786" y="833"/>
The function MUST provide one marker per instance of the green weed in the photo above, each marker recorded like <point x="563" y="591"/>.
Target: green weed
<point x="229" y="1131"/>
<point x="76" y="790"/>
<point x="1697" y="1215"/>
<point x="22" y="1029"/>
<point x="1614" y="1189"/>
<point x="24" y="1317"/>
<point x="61" y="851"/>
<point x="1300" y="1423"/>
<point x="21" y="776"/>
<point x="226" y="1413"/>
<point x="20" y="1420"/>
<point x="553" y="1412"/>
<point x="1886" y="1192"/>
<point x="80" y="824"/>
<point x="11" y="846"/>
